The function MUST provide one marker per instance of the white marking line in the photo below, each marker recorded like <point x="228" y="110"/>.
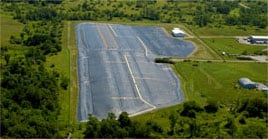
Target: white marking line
<point x="145" y="78"/>
<point x="112" y="36"/>
<point x="125" y="98"/>
<point x="136" y="86"/>
<point x="115" y="62"/>
<point x="141" y="112"/>
<point x="144" y="46"/>
<point x="112" y="30"/>
<point x="85" y="57"/>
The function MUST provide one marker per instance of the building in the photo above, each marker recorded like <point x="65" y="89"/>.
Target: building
<point x="262" y="87"/>
<point x="177" y="32"/>
<point x="247" y="83"/>
<point x="258" y="39"/>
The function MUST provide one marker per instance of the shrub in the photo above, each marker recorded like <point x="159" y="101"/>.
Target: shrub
<point x="189" y="109"/>
<point x="64" y="83"/>
<point x="242" y="120"/>
<point x="243" y="58"/>
<point x="164" y="60"/>
<point x="211" y="107"/>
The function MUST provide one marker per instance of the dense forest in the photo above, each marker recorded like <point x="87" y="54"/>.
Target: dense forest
<point x="30" y="91"/>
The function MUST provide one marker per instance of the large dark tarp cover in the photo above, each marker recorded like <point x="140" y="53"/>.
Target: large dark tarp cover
<point x="117" y="71"/>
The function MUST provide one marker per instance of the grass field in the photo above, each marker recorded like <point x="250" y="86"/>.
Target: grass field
<point x="9" y="27"/>
<point x="231" y="46"/>
<point x="224" y="30"/>
<point x="73" y="72"/>
<point x="217" y="81"/>
<point x="205" y="80"/>
<point x="203" y="51"/>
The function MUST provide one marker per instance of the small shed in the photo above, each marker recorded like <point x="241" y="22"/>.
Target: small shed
<point x="177" y="32"/>
<point x="247" y="83"/>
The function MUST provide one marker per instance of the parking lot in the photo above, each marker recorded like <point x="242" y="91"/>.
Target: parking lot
<point x="117" y="71"/>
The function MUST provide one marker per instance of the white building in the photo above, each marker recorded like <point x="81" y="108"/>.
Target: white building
<point x="258" y="39"/>
<point x="177" y="32"/>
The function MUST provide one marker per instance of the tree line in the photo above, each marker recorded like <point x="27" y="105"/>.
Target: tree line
<point x="188" y="122"/>
<point x="201" y="14"/>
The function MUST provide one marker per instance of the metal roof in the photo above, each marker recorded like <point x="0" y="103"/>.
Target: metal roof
<point x="259" y="37"/>
<point x="177" y="30"/>
<point x="245" y="81"/>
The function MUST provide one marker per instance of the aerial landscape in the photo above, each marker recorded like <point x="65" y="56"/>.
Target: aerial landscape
<point x="134" y="69"/>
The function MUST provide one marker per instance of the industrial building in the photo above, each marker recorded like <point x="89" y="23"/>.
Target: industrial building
<point x="247" y="83"/>
<point x="258" y="39"/>
<point x="177" y="32"/>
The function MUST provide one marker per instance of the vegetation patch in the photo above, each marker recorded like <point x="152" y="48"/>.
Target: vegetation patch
<point x="233" y="48"/>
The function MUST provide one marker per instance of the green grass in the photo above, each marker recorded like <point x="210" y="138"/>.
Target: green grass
<point x="231" y="46"/>
<point x="224" y="30"/>
<point x="202" y="51"/>
<point x="219" y="80"/>
<point x="210" y="81"/>
<point x="9" y="27"/>
<point x="73" y="71"/>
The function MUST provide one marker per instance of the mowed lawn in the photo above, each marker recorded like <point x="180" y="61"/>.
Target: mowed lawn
<point x="202" y="81"/>
<point x="218" y="80"/>
<point x="231" y="46"/>
<point x="224" y="30"/>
